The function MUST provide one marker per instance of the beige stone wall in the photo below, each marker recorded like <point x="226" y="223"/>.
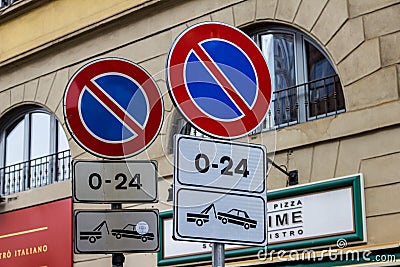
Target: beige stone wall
<point x="360" y="36"/>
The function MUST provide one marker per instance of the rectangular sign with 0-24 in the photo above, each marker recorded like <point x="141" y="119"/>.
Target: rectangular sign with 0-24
<point x="115" y="181"/>
<point x="221" y="165"/>
<point x="219" y="189"/>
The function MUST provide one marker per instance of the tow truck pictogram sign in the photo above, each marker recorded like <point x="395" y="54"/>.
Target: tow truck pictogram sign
<point x="129" y="231"/>
<point x="110" y="231"/>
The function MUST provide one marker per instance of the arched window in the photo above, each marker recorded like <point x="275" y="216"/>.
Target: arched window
<point x="34" y="150"/>
<point x="304" y="82"/>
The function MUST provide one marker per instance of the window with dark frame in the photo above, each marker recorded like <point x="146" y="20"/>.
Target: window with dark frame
<point x="34" y="150"/>
<point x="305" y="84"/>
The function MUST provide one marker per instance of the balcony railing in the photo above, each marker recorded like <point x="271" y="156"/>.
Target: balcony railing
<point x="293" y="105"/>
<point x="6" y="3"/>
<point x="35" y="173"/>
<point x="304" y="102"/>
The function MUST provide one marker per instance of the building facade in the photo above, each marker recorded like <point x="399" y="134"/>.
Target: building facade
<point x="335" y="73"/>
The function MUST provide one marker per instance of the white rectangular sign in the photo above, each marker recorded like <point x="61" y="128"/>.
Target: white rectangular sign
<point x="218" y="164"/>
<point x="115" y="181"/>
<point x="221" y="217"/>
<point x="219" y="189"/>
<point x="308" y="215"/>
<point x="311" y="216"/>
<point x="97" y="231"/>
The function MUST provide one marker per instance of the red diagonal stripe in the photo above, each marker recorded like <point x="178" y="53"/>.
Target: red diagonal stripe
<point x="118" y="111"/>
<point x="216" y="72"/>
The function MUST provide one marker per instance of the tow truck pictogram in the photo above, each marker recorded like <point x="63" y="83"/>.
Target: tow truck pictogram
<point x="202" y="217"/>
<point x="93" y="236"/>
<point x="233" y="216"/>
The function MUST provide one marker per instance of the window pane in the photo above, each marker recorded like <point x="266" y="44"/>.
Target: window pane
<point x="325" y="92"/>
<point x="40" y="135"/>
<point x="318" y="65"/>
<point x="62" y="142"/>
<point x="15" y="144"/>
<point x="278" y="49"/>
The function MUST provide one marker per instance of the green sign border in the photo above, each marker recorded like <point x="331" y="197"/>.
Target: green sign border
<point x="354" y="181"/>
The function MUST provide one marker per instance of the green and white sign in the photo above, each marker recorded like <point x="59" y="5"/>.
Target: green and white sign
<point x="304" y="216"/>
<point x="311" y="216"/>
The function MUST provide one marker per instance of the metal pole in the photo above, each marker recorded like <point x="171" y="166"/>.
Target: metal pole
<point x="218" y="255"/>
<point x="118" y="259"/>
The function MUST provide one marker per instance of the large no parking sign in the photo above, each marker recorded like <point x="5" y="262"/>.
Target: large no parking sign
<point x="113" y="108"/>
<point x="219" y="80"/>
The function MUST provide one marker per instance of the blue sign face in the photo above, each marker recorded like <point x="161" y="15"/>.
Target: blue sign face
<point x="126" y="93"/>
<point x="108" y="104"/>
<point x="208" y="92"/>
<point x="218" y="79"/>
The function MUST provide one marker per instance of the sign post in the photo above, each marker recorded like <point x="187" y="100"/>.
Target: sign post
<point x="113" y="109"/>
<point x="218" y="254"/>
<point x="117" y="259"/>
<point x="219" y="189"/>
<point x="219" y="81"/>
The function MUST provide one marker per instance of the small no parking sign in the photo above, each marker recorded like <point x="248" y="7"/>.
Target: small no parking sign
<point x="113" y="108"/>
<point x="219" y="80"/>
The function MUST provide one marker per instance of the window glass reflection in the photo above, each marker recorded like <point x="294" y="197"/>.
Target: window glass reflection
<point x="62" y="141"/>
<point x="318" y="65"/>
<point x="325" y="95"/>
<point x="15" y="144"/>
<point x="40" y="135"/>
<point x="278" y="49"/>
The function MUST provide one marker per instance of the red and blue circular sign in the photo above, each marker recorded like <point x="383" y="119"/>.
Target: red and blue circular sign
<point x="219" y="80"/>
<point x="113" y="108"/>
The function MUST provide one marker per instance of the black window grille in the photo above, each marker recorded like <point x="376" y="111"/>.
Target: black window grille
<point x="296" y="104"/>
<point x="36" y="173"/>
<point x="304" y="102"/>
<point x="6" y="3"/>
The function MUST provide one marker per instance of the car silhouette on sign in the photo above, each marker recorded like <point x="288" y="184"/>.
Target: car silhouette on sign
<point x="236" y="216"/>
<point x="129" y="231"/>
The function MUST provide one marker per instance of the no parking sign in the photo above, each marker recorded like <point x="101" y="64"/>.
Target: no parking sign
<point x="219" y="80"/>
<point x="113" y="108"/>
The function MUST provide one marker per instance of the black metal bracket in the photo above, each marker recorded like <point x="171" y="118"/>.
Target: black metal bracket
<point x="118" y="259"/>
<point x="293" y="176"/>
<point x="170" y="193"/>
